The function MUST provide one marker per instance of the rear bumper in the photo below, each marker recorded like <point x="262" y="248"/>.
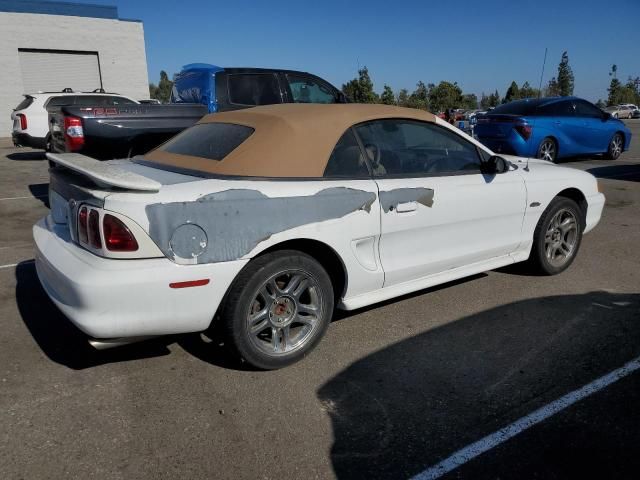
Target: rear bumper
<point x="595" y="205"/>
<point x="108" y="298"/>
<point x="26" y="140"/>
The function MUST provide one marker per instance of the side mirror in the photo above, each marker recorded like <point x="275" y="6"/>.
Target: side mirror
<point x="495" y="165"/>
<point x="606" y="116"/>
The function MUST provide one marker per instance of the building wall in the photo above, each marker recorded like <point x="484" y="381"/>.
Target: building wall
<point x="120" y="47"/>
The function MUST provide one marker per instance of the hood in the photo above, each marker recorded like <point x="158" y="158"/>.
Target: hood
<point x="522" y="161"/>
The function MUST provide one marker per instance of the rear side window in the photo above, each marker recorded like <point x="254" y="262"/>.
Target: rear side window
<point x="213" y="141"/>
<point x="557" y="109"/>
<point x="60" y="101"/>
<point x="346" y="159"/>
<point x="254" y="89"/>
<point x="26" y="101"/>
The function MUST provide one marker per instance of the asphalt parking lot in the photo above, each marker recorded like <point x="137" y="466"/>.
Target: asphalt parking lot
<point x="391" y="391"/>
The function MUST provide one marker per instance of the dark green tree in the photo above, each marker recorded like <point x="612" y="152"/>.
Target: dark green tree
<point x="615" y="92"/>
<point x="633" y="85"/>
<point x="527" y="91"/>
<point x="162" y="91"/>
<point x="565" y="76"/>
<point x="445" y="95"/>
<point x="600" y="103"/>
<point x="420" y="97"/>
<point x="469" y="101"/>
<point x="484" y="101"/>
<point x="360" y="89"/>
<point x="513" y="93"/>
<point x="627" y="93"/>
<point x="387" y="97"/>
<point x="403" y="98"/>
<point x="553" y="89"/>
<point x="494" y="99"/>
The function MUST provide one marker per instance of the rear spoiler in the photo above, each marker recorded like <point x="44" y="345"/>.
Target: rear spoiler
<point x="104" y="173"/>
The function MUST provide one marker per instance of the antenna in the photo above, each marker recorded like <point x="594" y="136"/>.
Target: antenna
<point x="544" y="62"/>
<point x="542" y="74"/>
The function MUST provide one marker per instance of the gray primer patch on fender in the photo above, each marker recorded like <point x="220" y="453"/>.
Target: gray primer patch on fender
<point x="236" y="221"/>
<point x="392" y="198"/>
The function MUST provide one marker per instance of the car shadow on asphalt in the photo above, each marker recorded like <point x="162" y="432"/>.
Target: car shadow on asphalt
<point x="27" y="156"/>
<point x="402" y="409"/>
<point x="627" y="173"/>
<point x="59" y="339"/>
<point x="40" y="191"/>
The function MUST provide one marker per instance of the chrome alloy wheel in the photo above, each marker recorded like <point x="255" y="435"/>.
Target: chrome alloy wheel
<point x="616" y="146"/>
<point x="561" y="237"/>
<point x="285" y="312"/>
<point x="548" y="150"/>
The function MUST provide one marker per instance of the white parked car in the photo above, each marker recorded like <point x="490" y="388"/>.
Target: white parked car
<point x="621" y="111"/>
<point x="265" y="219"/>
<point x="31" y="120"/>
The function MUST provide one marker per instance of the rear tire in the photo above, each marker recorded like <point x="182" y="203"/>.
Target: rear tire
<point x="615" y="147"/>
<point x="557" y="237"/>
<point x="277" y="309"/>
<point x="548" y="150"/>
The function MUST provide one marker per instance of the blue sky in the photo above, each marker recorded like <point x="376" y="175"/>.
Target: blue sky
<point x="481" y="44"/>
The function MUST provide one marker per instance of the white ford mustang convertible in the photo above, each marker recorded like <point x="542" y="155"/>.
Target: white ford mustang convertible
<point x="267" y="219"/>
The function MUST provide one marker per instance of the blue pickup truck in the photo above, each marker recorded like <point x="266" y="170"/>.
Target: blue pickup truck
<point x="222" y="89"/>
<point x="124" y="131"/>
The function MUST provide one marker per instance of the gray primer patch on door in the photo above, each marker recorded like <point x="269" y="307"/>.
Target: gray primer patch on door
<point x="392" y="198"/>
<point x="236" y="221"/>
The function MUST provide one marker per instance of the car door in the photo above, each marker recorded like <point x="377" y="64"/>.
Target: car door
<point x="439" y="212"/>
<point x="573" y="139"/>
<point x="597" y="131"/>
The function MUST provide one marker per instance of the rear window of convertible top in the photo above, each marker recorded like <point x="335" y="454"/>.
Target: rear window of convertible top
<point x="212" y="141"/>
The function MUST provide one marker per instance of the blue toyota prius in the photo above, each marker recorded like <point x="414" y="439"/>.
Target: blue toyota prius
<point x="552" y="128"/>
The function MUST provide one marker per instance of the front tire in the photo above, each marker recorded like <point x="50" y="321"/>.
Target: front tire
<point x="277" y="309"/>
<point x="548" y="150"/>
<point x="557" y="237"/>
<point x="615" y="147"/>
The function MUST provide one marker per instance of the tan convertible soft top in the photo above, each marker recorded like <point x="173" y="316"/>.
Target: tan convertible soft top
<point x="290" y="140"/>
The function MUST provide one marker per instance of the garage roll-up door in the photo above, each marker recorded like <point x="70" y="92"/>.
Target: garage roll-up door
<point x="51" y="71"/>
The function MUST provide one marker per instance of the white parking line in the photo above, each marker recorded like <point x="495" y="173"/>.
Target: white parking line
<point x="12" y="265"/>
<point x="23" y="198"/>
<point x="485" y="444"/>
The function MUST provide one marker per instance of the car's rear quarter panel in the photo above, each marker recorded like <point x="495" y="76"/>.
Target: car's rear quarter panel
<point x="242" y="218"/>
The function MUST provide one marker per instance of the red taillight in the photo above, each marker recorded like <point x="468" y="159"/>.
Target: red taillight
<point x="94" y="229"/>
<point x="524" y="131"/>
<point x="82" y="225"/>
<point x="117" y="237"/>
<point x="73" y="133"/>
<point x="23" y="121"/>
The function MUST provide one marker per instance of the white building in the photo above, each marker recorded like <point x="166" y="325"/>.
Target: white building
<point x="49" y="46"/>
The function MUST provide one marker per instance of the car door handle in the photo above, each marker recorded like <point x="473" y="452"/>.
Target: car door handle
<point x="557" y="122"/>
<point x="406" y="207"/>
